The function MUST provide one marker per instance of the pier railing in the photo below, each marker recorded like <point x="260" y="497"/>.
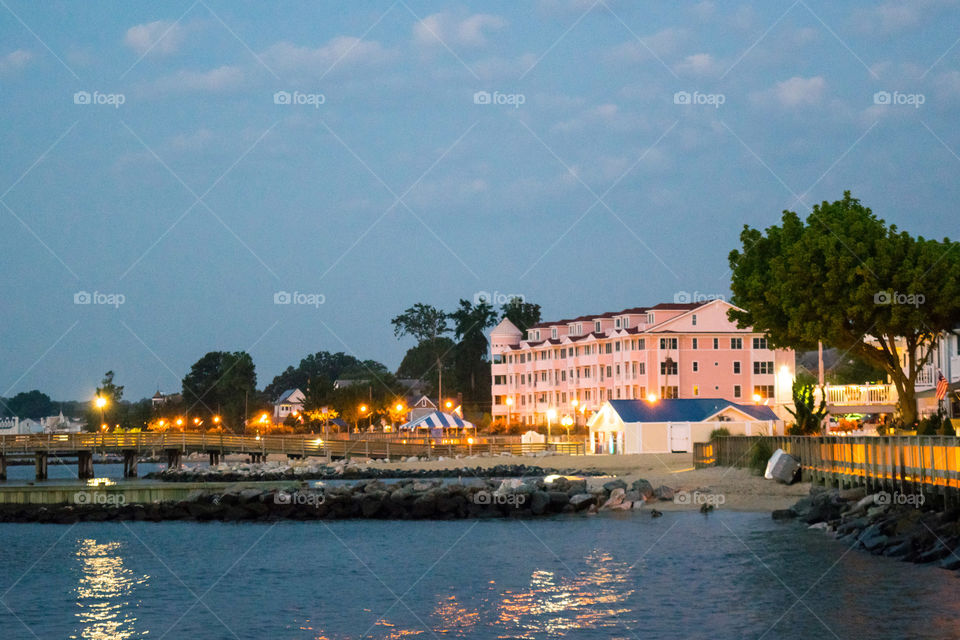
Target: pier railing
<point x="928" y="463"/>
<point x="295" y="445"/>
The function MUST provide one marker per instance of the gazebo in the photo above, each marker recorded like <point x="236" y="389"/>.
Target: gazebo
<point x="438" y="420"/>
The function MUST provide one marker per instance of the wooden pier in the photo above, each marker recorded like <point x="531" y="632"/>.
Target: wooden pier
<point x="172" y="446"/>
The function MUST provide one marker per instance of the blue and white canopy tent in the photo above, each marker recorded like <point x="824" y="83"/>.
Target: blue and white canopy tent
<point x="438" y="420"/>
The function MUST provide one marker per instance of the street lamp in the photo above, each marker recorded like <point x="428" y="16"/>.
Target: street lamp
<point x="101" y="402"/>
<point x="551" y="416"/>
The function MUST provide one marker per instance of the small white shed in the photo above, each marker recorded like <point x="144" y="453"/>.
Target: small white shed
<point x="673" y="425"/>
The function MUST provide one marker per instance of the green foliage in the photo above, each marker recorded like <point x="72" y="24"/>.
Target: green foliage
<point x="831" y="278"/>
<point x="522" y="314"/>
<point x="221" y="383"/>
<point x="29" y="404"/>
<point x="760" y="452"/>
<point x="722" y="431"/>
<point x="806" y="414"/>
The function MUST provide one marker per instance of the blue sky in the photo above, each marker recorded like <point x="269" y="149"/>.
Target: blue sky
<point x="192" y="193"/>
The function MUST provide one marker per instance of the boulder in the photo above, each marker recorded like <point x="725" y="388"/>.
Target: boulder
<point x="581" y="501"/>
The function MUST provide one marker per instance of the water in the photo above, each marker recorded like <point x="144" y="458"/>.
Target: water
<point x="729" y="575"/>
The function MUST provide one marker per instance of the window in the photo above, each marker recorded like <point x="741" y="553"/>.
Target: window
<point x="759" y="343"/>
<point x="736" y="366"/>
<point x="736" y="391"/>
<point x="669" y="392"/>
<point x="736" y="343"/>
<point x="668" y="343"/>
<point x="695" y="344"/>
<point x="668" y="368"/>
<point x="716" y="343"/>
<point x="694" y="320"/>
<point x="696" y="366"/>
<point x="765" y="391"/>
<point x="762" y="368"/>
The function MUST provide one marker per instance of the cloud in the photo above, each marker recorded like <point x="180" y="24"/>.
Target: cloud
<point x="225" y="78"/>
<point x="661" y="43"/>
<point x="161" y="37"/>
<point x="698" y="64"/>
<point x="795" y="92"/>
<point x="15" y="61"/>
<point x="342" y="50"/>
<point x="444" y="28"/>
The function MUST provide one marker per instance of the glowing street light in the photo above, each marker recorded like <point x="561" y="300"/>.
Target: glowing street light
<point x="551" y="416"/>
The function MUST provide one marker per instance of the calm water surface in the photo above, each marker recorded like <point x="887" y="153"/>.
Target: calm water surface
<point x="729" y="575"/>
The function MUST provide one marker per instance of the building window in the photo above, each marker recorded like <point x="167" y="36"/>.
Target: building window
<point x="668" y="343"/>
<point x="763" y="368"/>
<point x="669" y="392"/>
<point x="694" y="320"/>
<point x="736" y="343"/>
<point x="668" y="368"/>
<point x="765" y="391"/>
<point x="695" y="343"/>
<point x="736" y="391"/>
<point x="736" y="366"/>
<point x="696" y="366"/>
<point x="759" y="343"/>
<point x="716" y="343"/>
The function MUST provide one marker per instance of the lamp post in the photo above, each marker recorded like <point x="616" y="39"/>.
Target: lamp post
<point x="551" y="416"/>
<point x="101" y="402"/>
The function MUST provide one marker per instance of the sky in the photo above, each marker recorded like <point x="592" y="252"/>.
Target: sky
<point x="284" y="178"/>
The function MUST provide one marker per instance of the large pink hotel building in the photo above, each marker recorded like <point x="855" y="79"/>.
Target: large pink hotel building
<point x="666" y="351"/>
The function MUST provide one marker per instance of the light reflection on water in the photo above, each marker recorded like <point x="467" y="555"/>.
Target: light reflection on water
<point x="107" y="608"/>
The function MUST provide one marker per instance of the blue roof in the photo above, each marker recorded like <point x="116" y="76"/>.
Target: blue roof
<point x="683" y="409"/>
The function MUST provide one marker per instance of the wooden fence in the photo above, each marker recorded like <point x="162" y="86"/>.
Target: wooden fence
<point x="901" y="463"/>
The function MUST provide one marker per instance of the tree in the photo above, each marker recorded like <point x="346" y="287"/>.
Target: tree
<point x="806" y="414"/>
<point x="522" y="314"/>
<point x="845" y="277"/>
<point x="470" y="357"/>
<point x="427" y="325"/>
<point x="31" y="404"/>
<point x="221" y="383"/>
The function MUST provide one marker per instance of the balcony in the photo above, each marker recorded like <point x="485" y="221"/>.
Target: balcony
<point x="859" y="395"/>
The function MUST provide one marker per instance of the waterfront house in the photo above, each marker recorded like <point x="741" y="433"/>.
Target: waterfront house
<point x="673" y="425"/>
<point x="572" y="367"/>
<point x="289" y="403"/>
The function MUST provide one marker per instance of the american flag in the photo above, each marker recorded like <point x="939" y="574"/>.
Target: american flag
<point x="941" y="387"/>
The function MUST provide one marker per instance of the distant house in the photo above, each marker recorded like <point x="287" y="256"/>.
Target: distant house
<point x="421" y="407"/>
<point x="673" y="425"/>
<point x="159" y="399"/>
<point x="289" y="403"/>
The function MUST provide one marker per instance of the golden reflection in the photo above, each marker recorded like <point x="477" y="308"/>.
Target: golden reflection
<point x="104" y="592"/>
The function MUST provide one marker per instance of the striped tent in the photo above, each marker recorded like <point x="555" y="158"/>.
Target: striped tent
<point x="438" y="420"/>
